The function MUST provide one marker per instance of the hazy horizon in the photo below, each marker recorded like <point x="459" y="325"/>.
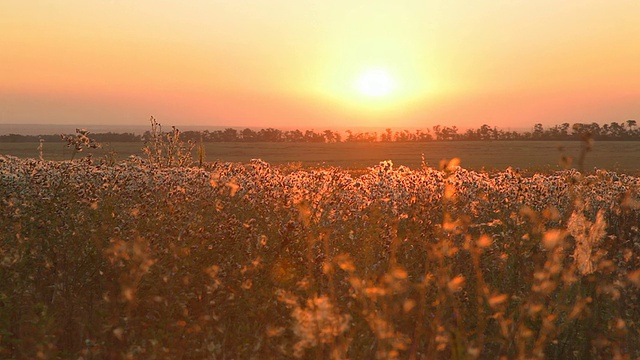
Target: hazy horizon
<point x="322" y="65"/>
<point x="52" y="129"/>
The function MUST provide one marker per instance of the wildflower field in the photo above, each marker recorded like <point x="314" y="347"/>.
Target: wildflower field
<point x="253" y="261"/>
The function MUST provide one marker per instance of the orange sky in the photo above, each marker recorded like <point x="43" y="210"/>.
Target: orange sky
<point x="285" y="63"/>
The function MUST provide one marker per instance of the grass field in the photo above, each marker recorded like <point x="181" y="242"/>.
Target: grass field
<point x="622" y="156"/>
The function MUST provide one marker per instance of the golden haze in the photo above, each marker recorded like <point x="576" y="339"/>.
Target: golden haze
<point x="293" y="64"/>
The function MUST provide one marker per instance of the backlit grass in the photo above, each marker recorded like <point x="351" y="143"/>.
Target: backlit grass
<point x="137" y="260"/>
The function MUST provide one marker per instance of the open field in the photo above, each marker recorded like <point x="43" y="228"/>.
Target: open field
<point x="622" y="156"/>
<point x="243" y="261"/>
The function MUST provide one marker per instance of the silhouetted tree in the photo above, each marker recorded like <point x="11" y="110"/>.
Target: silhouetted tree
<point x="331" y="137"/>
<point x="294" y="136"/>
<point x="248" y="135"/>
<point x="312" y="136"/>
<point x="271" y="135"/>
<point x="631" y="125"/>
<point x="538" y="131"/>
<point x="423" y="136"/>
<point x="386" y="136"/>
<point x="437" y="130"/>
<point x="230" y="135"/>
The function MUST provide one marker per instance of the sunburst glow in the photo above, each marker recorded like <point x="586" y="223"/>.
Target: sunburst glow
<point x="413" y="63"/>
<point x="375" y="82"/>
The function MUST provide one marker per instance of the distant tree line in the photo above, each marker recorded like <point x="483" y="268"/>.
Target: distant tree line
<point x="613" y="131"/>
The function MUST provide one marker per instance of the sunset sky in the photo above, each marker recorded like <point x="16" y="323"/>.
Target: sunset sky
<point x="319" y="64"/>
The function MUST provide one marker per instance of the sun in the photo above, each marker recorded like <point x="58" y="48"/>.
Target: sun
<point x="375" y="82"/>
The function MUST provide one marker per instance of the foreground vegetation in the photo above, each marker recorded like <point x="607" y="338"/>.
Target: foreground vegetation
<point x="142" y="259"/>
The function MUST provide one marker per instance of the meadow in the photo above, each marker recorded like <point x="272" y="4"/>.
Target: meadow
<point x="535" y="156"/>
<point x="140" y="258"/>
